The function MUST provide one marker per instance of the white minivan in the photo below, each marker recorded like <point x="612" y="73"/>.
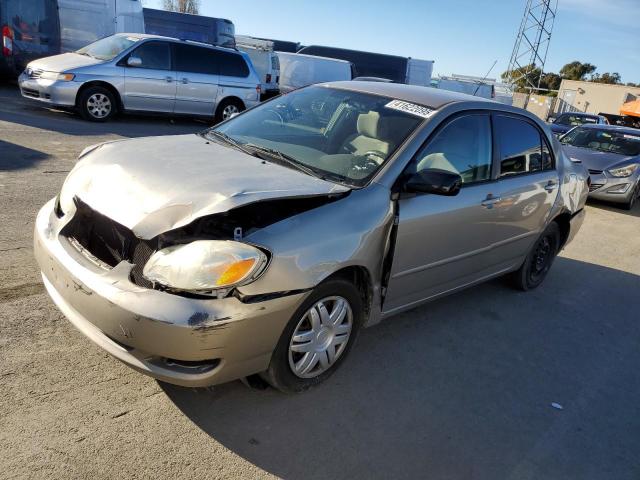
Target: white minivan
<point x="298" y="70"/>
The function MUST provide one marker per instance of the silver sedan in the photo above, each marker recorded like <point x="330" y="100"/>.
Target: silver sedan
<point x="263" y="245"/>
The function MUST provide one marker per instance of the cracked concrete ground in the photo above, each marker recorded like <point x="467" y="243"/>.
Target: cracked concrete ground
<point x="461" y="388"/>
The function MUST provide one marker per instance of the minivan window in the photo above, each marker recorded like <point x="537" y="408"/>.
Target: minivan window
<point x="463" y="146"/>
<point x="154" y="55"/>
<point x="521" y="147"/>
<point x="108" y="48"/>
<point x="231" y="64"/>
<point x="574" y="120"/>
<point x="194" y="59"/>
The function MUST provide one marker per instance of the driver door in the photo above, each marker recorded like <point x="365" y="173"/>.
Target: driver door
<point x="444" y="242"/>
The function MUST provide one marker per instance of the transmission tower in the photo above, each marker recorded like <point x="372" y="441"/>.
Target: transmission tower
<point x="532" y="42"/>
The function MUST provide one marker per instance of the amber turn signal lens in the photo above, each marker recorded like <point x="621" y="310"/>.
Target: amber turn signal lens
<point x="236" y="271"/>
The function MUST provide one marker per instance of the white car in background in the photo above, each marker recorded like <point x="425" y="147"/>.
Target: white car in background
<point x="298" y="70"/>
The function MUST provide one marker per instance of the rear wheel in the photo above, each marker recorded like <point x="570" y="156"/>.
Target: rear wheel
<point x="539" y="260"/>
<point x="317" y="338"/>
<point x="228" y="108"/>
<point x="97" y="104"/>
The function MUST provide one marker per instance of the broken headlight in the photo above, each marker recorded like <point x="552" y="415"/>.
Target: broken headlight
<point x="205" y="265"/>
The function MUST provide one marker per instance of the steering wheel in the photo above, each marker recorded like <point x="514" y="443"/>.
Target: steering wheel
<point x="278" y="116"/>
<point x="375" y="153"/>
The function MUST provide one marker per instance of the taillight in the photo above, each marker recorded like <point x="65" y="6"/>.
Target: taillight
<point x="258" y="89"/>
<point x="7" y="41"/>
<point x="268" y="78"/>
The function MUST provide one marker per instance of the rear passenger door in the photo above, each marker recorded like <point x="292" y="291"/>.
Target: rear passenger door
<point x="150" y="86"/>
<point x="526" y="188"/>
<point x="197" y="74"/>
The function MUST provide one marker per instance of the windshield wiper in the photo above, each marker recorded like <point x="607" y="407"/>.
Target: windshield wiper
<point x="229" y="140"/>
<point x="283" y="157"/>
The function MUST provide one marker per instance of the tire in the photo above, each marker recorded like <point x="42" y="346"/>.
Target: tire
<point x="281" y="373"/>
<point x="539" y="260"/>
<point x="632" y="199"/>
<point x="97" y="104"/>
<point x="228" y="107"/>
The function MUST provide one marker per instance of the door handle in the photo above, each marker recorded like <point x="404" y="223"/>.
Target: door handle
<point x="490" y="201"/>
<point x="550" y="186"/>
<point x="169" y="79"/>
<point x="185" y="80"/>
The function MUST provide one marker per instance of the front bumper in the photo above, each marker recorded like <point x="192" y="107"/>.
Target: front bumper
<point x="51" y="92"/>
<point x="611" y="189"/>
<point x="184" y="341"/>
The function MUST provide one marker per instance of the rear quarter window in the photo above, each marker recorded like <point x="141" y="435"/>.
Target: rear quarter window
<point x="231" y="64"/>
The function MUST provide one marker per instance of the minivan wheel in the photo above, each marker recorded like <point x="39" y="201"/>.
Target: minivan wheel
<point x="227" y="108"/>
<point x="539" y="260"/>
<point x="97" y="104"/>
<point x="318" y="337"/>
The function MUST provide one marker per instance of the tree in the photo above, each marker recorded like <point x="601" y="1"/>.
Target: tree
<point x="183" y="6"/>
<point x="610" y="78"/>
<point x="631" y="84"/>
<point x="550" y="81"/>
<point x="577" y="70"/>
<point x="523" y="77"/>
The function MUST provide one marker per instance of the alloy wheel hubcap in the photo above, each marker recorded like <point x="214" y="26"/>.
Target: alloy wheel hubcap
<point x="229" y="110"/>
<point x="321" y="336"/>
<point x="99" y="105"/>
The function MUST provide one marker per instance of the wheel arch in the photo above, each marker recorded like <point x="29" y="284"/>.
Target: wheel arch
<point x="103" y="84"/>
<point x="563" y="220"/>
<point x="359" y="276"/>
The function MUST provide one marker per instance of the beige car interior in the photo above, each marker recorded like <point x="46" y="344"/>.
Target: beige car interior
<point x="372" y="132"/>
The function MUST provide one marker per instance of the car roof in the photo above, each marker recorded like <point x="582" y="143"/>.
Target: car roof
<point x="427" y="96"/>
<point x="145" y="36"/>
<point x="613" y="128"/>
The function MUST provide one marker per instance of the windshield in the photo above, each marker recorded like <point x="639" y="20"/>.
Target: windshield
<point x="108" y="48"/>
<point x="341" y="135"/>
<point x="575" y="120"/>
<point x="604" y="141"/>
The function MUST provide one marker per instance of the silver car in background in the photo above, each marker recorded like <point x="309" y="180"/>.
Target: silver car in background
<point x="144" y="73"/>
<point x="263" y="245"/>
<point x="611" y="154"/>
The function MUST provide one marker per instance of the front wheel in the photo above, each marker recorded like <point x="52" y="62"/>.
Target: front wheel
<point x="317" y="338"/>
<point x="539" y="260"/>
<point x="97" y="104"/>
<point x="635" y="193"/>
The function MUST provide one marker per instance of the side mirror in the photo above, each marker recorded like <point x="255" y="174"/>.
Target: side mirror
<point x="134" y="61"/>
<point x="438" y="182"/>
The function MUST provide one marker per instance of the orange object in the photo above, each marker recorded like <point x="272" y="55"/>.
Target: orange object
<point x="236" y="271"/>
<point x="631" y="108"/>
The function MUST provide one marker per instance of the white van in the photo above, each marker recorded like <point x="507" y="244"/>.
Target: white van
<point x="264" y="60"/>
<point x="297" y="70"/>
<point x="85" y="21"/>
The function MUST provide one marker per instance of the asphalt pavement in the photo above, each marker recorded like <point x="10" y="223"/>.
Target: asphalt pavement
<point x="490" y="383"/>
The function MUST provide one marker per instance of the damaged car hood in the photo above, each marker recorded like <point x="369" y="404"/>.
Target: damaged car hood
<point x="155" y="184"/>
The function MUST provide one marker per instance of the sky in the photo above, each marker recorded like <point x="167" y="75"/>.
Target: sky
<point x="462" y="36"/>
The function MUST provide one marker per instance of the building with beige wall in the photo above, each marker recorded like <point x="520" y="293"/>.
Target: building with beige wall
<point x="591" y="97"/>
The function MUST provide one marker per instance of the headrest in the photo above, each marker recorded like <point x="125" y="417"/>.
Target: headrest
<point x="370" y="125"/>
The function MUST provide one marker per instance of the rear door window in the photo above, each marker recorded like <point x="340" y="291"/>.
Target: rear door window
<point x="522" y="148"/>
<point x="154" y="55"/>
<point x="193" y="59"/>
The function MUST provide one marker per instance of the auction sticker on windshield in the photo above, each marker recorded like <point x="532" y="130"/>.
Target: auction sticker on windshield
<point x="411" y="108"/>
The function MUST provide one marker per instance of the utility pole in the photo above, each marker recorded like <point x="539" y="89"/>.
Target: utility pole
<point x="532" y="43"/>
